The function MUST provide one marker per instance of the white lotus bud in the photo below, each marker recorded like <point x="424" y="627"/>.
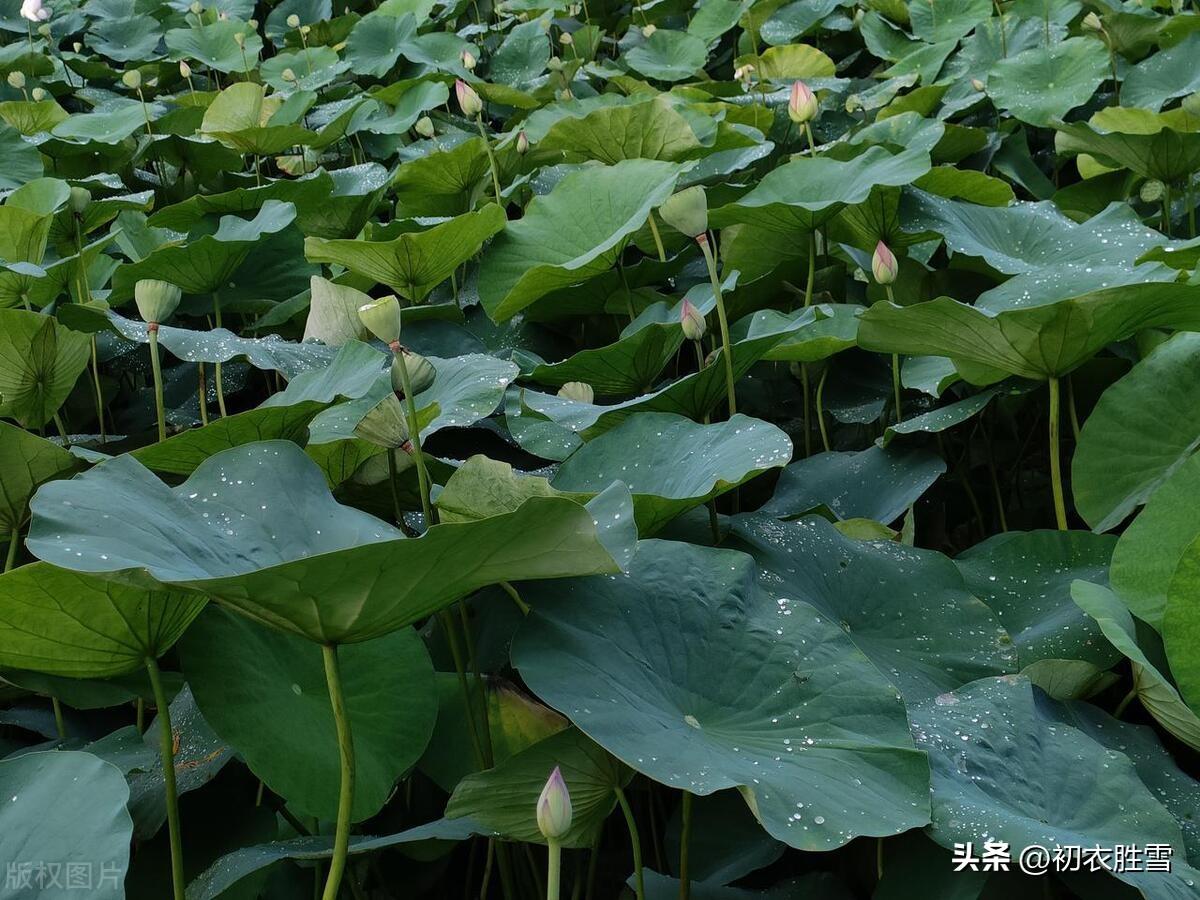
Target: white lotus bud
<point x="554" y="808"/>
<point x="424" y="127"/>
<point x="579" y="391"/>
<point x="691" y="321"/>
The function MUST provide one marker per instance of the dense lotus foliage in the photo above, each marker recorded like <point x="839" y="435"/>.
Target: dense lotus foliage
<point x="577" y="448"/>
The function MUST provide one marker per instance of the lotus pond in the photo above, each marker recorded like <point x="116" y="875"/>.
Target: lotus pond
<point x="680" y="448"/>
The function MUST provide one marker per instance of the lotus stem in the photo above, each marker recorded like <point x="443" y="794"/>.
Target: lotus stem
<point x="895" y="366"/>
<point x="711" y="262"/>
<point x="14" y="544"/>
<point x="1003" y="36"/>
<point x="202" y="393"/>
<point x="821" y="408"/>
<point x="658" y="244"/>
<point x="879" y="859"/>
<point x="812" y="145"/>
<point x="804" y="389"/>
<point x="685" y="836"/>
<point x="85" y="296"/>
<point x="516" y="597"/>
<point x="167" y="751"/>
<point x="216" y="298"/>
<point x="414" y="434"/>
<point x="396" y="511"/>
<point x="487" y="144"/>
<point x="60" y="723"/>
<point x="156" y="367"/>
<point x="341" y="840"/>
<point x="1125" y="701"/>
<point x="553" y="868"/>
<point x="635" y="842"/>
<point x="1060" y="508"/>
<point x="460" y="669"/>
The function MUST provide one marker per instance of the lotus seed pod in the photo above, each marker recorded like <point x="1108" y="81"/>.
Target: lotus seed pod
<point x="16" y="80"/>
<point x="883" y="264"/>
<point x="687" y="211"/>
<point x="38" y="94"/>
<point x="802" y="103"/>
<point x="691" y="321"/>
<point x="468" y="60"/>
<point x="79" y="200"/>
<point x="648" y="30"/>
<point x="554" y="808"/>
<point x="132" y="79"/>
<point x="579" y="391"/>
<point x="156" y="300"/>
<point x="382" y="318"/>
<point x="1152" y="190"/>
<point x="385" y="425"/>
<point x="293" y="21"/>
<point x="185" y="71"/>
<point x="468" y="100"/>
<point x="522" y="143"/>
<point x="420" y="372"/>
<point x="424" y="127"/>
<point x="565" y="39"/>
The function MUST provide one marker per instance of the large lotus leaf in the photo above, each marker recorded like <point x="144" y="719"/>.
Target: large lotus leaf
<point x="242" y="117"/>
<point x="573" y="233"/>
<point x="80" y="626"/>
<point x="906" y="609"/>
<point x="126" y="39"/>
<point x="375" y="43"/>
<point x="100" y="211"/>
<point x="1025" y="577"/>
<point x="416" y="262"/>
<point x="351" y="373"/>
<point x="1167" y="153"/>
<point x="66" y="809"/>
<point x="650" y="130"/>
<point x="500" y="798"/>
<point x="440" y="179"/>
<point x="333" y="313"/>
<point x="1149" y="550"/>
<point x="208" y="263"/>
<point x="265" y="693"/>
<point x="799" y="719"/>
<point x="313" y="68"/>
<point x="1004" y="765"/>
<point x="1043" y="84"/>
<point x="1143" y="428"/>
<point x="808" y="191"/>
<point x="1181" y="625"/>
<point x="256" y="528"/>
<point x="22" y="162"/>
<point x="1155" y="690"/>
<point x="942" y="418"/>
<point x="1036" y="342"/>
<point x="876" y="483"/>
<point x="672" y="464"/>
<point x="1163" y="76"/>
<point x="26" y="461"/>
<point x="668" y="56"/>
<point x="824" y="330"/>
<point x="40" y="361"/>
<point x="112" y="124"/>
<point x="214" y="45"/>
<point x="946" y="20"/>
<point x="304" y="192"/>
<point x="790" y="61"/>
<point x="1050" y="256"/>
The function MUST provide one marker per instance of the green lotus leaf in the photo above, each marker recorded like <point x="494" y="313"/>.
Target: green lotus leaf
<point x="571" y="234"/>
<point x="257" y="686"/>
<point x="672" y="464"/>
<point x="127" y="39"/>
<point x="26" y="462"/>
<point x="304" y="192"/>
<point x="1139" y="434"/>
<point x="351" y="373"/>
<point x="790" y="61"/>
<point x="824" y="330"/>
<point x="114" y="124"/>
<point x="375" y="44"/>
<point x="500" y="798"/>
<point x="1165" y="146"/>
<point x="906" y="609"/>
<point x="522" y="57"/>
<point x="1163" y="76"/>
<point x="800" y="721"/>
<point x="80" y="626"/>
<point x="313" y="69"/>
<point x="1036" y="342"/>
<point x="875" y="484"/>
<point x="416" y="262"/>
<point x="41" y="361"/>
<point x="419" y="97"/>
<point x="31" y="117"/>
<point x="650" y="130"/>
<point x="69" y="809"/>
<point x="930" y="375"/>
<point x="214" y="45"/>
<point x="1025" y="577"/>
<point x="243" y="117"/>
<point x="99" y="212"/>
<point x="946" y="20"/>
<point x="441" y="178"/>
<point x="1042" y="84"/>
<point x="1181" y="624"/>
<point x="668" y="56"/>
<point x="22" y="162"/>
<point x="293" y="564"/>
<point x="943" y="418"/>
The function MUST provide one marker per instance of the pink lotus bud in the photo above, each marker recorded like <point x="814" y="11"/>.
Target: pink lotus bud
<point x="691" y="321"/>
<point x="883" y="264"/>
<point x="468" y="100"/>
<point x="34" y="11"/>
<point x="554" y="808"/>
<point x="802" y="104"/>
<point x="522" y="143"/>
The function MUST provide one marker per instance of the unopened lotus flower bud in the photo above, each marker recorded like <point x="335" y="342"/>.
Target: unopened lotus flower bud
<point x="555" y="64"/>
<point x="691" y="321"/>
<point x="1152" y="191"/>
<point x="252" y="24"/>
<point x="978" y="85"/>
<point x="565" y="94"/>
<point x="382" y="318"/>
<point x="522" y="143"/>
<point x="468" y="60"/>
<point x="156" y="300"/>
<point x="132" y="79"/>
<point x="16" y="80"/>
<point x="38" y="94"/>
<point x="185" y="71"/>
<point x="687" y="211"/>
<point x="34" y="11"/>
<point x="802" y="103"/>
<point x="743" y="73"/>
<point x="649" y="30"/>
<point x="468" y="100"/>
<point x="196" y="8"/>
<point x="240" y="39"/>
<point x="883" y="264"/>
<point x="305" y="30"/>
<point x="420" y="372"/>
<point x="44" y="30"/>
<point x="1091" y="22"/>
<point x="293" y="21"/>
<point x="288" y="75"/>
<point x="424" y="127"/>
<point x="579" y="391"/>
<point x="554" y="808"/>
<point x="79" y="200"/>
<point x="385" y="425"/>
<point x="77" y="47"/>
<point x="565" y="39"/>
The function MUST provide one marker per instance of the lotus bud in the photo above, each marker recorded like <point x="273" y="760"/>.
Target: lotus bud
<point x="77" y="47"/>
<point x="420" y="372"/>
<point x="687" y="212"/>
<point x="293" y="21"/>
<point x="385" y="425"/>
<point x="579" y="391"/>
<point x="883" y="264"/>
<point x="1152" y="191"/>
<point x="1091" y="22"/>
<point x="565" y="39"/>
<point x="240" y="39"/>
<point x="288" y="75"/>
<point x="565" y="94"/>
<point x="38" y="94"/>
<point x="16" y="80"/>
<point x="554" y="808"/>
<point x="978" y="85"/>
<point x="424" y="127"/>
<point x="743" y="73"/>
<point x="468" y="60"/>
<point x="252" y="24"/>
<point x="522" y="143"/>
<point x="132" y="79"/>
<point x="468" y="100"/>
<point x="156" y="300"/>
<point x="555" y="64"/>
<point x="649" y="30"/>
<point x="79" y="200"/>
<point x="382" y="318"/>
<point x="185" y="71"/>
<point x="305" y="30"/>
<point x="44" y="30"/>
<point x="34" y="11"/>
<point x="691" y="321"/>
<point x="196" y="7"/>
<point x="802" y="103"/>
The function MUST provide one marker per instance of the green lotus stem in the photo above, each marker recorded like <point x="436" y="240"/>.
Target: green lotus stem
<point x="216" y="299"/>
<point x="1166" y="210"/>
<point x="140" y="715"/>
<point x="516" y="597"/>
<point x="812" y="145"/>
<point x="895" y="366"/>
<point x="658" y="244"/>
<point x="879" y="859"/>
<point x="821" y="408"/>
<point x="167" y="751"/>
<point x="1125" y="701"/>
<point x="553" y="868"/>
<point x="202" y="394"/>
<point x="85" y="296"/>
<point x="60" y="723"/>
<point x="460" y="669"/>
<point x="804" y="389"/>
<point x="341" y="840"/>
<point x="1060" y="508"/>
<point x="156" y="367"/>
<point x="635" y="842"/>
<point x="14" y="543"/>
<point x="396" y="511"/>
<point x="685" y="837"/>
<point x="62" y="429"/>
<point x="711" y="262"/>
<point x="414" y="434"/>
<point x="1072" y="414"/>
<point x="487" y="144"/>
<point x="1003" y="36"/>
